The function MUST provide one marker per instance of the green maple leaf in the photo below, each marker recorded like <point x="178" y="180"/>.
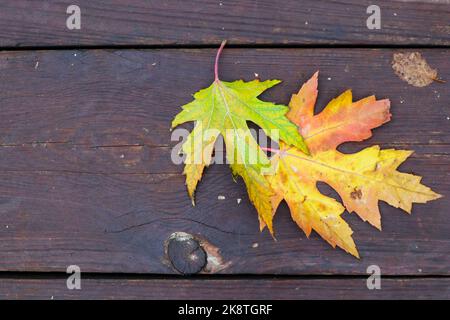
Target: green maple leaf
<point x="224" y="109"/>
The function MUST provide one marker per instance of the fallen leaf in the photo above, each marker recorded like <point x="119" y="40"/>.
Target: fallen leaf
<point x="413" y="68"/>
<point x="224" y="109"/>
<point x="361" y="179"/>
<point x="342" y="120"/>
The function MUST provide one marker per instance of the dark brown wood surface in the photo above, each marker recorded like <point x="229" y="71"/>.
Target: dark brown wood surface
<point x="41" y="23"/>
<point x="86" y="176"/>
<point x="52" y="288"/>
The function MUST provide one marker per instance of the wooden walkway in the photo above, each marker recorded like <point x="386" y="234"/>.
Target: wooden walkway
<point x="85" y="172"/>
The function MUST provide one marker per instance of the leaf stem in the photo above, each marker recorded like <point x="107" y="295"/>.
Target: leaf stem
<point x="216" y="64"/>
<point x="270" y="150"/>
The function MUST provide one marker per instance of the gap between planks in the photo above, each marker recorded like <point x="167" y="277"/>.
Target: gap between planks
<point x="229" y="46"/>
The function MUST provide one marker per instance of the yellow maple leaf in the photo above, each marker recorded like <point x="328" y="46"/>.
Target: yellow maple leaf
<point x="361" y="179"/>
<point x="224" y="108"/>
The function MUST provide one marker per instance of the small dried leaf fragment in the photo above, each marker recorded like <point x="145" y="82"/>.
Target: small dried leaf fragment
<point x="414" y="69"/>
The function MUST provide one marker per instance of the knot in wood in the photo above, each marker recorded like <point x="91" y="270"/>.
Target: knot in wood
<point x="185" y="253"/>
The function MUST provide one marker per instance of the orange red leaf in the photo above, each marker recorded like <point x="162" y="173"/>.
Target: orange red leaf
<point x="341" y="121"/>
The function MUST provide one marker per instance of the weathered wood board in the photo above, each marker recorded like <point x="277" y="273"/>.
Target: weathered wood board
<point x="86" y="176"/>
<point x="54" y="288"/>
<point x="25" y="23"/>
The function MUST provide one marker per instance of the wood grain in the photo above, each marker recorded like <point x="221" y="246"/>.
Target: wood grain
<point x="86" y="176"/>
<point x="25" y="23"/>
<point x="227" y="289"/>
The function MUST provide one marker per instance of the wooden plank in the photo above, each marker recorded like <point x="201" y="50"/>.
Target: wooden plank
<point x="86" y="176"/>
<point x="90" y="97"/>
<point x="227" y="289"/>
<point x="179" y="22"/>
